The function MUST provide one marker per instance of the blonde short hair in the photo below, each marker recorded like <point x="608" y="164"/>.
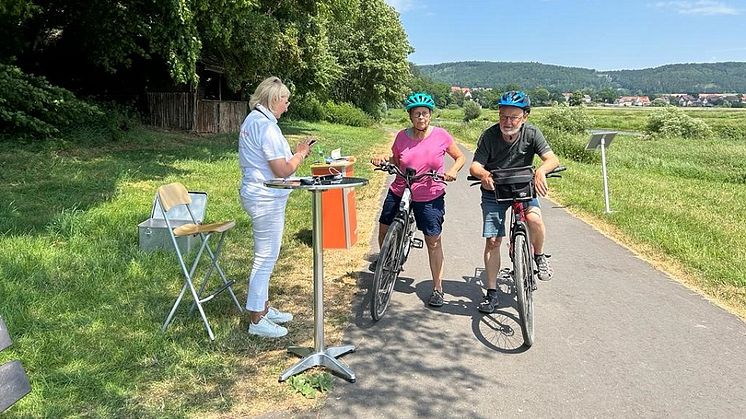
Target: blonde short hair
<point x="268" y="92"/>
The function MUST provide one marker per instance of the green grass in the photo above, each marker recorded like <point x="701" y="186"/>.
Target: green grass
<point x="84" y="305"/>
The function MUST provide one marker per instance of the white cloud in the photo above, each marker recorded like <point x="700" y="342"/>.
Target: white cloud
<point x="699" y="7"/>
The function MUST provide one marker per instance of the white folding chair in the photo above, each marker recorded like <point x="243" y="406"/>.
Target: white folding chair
<point x="14" y="384"/>
<point x="174" y="195"/>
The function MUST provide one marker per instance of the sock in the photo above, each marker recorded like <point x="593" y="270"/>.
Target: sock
<point x="491" y="291"/>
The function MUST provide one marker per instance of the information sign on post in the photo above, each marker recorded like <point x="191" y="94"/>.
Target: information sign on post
<point x="602" y="140"/>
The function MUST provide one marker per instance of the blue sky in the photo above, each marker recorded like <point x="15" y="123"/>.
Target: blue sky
<point x="598" y="34"/>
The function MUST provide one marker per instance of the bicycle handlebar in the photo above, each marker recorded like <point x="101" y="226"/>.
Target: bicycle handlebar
<point x="410" y="178"/>
<point x="554" y="173"/>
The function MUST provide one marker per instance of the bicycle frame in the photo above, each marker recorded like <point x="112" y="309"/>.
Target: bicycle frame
<point x="397" y="242"/>
<point x="519" y="225"/>
<point x="406" y="212"/>
<point x="406" y="217"/>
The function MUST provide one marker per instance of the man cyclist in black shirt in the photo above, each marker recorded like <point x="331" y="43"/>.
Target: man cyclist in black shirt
<point x="512" y="142"/>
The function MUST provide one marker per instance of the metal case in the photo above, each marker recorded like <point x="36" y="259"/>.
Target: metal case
<point x="154" y="234"/>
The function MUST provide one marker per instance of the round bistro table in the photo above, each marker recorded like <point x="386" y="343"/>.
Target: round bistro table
<point x="319" y="355"/>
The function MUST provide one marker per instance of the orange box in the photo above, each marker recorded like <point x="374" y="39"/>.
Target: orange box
<point x="338" y="211"/>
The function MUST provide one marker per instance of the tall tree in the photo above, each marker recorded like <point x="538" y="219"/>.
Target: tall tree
<point x="372" y="47"/>
<point x="254" y="39"/>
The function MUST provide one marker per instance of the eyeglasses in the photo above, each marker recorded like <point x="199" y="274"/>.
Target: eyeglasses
<point x="512" y="119"/>
<point x="424" y="114"/>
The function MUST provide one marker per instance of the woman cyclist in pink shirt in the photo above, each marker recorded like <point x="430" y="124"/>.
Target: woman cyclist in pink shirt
<point x="422" y="147"/>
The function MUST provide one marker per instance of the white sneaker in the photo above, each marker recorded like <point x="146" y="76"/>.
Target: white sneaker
<point x="267" y="329"/>
<point x="277" y="316"/>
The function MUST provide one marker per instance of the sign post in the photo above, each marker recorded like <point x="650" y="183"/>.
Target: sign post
<point x="603" y="140"/>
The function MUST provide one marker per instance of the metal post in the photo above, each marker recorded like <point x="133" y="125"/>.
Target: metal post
<point x="318" y="274"/>
<point x="603" y="169"/>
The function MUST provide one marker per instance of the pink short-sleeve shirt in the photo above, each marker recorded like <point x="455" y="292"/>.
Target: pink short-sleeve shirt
<point x="422" y="155"/>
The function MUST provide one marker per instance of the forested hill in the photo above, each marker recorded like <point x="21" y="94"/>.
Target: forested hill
<point x="673" y="78"/>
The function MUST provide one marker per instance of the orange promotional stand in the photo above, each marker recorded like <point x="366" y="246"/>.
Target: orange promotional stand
<point x="338" y="212"/>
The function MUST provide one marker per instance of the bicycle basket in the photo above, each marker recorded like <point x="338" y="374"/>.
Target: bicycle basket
<point x="514" y="184"/>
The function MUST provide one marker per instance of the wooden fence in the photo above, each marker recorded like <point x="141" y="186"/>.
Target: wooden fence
<point x="183" y="111"/>
<point x="220" y="116"/>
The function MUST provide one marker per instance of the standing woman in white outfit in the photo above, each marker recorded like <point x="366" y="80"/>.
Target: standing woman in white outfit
<point x="263" y="154"/>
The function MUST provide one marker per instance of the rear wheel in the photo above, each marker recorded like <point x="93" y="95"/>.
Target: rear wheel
<point x="387" y="270"/>
<point x="523" y="270"/>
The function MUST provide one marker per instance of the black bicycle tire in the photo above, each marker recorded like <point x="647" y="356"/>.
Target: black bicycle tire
<point x="387" y="270"/>
<point x="522" y="270"/>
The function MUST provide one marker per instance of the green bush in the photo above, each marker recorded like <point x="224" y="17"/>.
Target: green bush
<point x="574" y="120"/>
<point x="307" y="108"/>
<point x="472" y="110"/>
<point x="570" y="146"/>
<point x="32" y="108"/>
<point x="346" y="114"/>
<point x="672" y="122"/>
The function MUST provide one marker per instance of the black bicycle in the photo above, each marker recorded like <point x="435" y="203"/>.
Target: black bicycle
<point x="397" y="243"/>
<point x="516" y="185"/>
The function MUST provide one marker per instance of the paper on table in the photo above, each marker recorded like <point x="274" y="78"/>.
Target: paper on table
<point x="336" y="154"/>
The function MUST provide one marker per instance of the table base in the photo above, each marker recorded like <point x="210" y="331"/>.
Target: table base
<point x="325" y="358"/>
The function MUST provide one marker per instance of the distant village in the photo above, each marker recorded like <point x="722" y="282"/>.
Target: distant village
<point x="676" y="99"/>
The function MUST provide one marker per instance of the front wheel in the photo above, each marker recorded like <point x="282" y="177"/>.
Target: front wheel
<point x="387" y="270"/>
<point x="522" y="271"/>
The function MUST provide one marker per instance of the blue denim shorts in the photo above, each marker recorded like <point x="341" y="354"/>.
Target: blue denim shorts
<point x="493" y="215"/>
<point x="428" y="215"/>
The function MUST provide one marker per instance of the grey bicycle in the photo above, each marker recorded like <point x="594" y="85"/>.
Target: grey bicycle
<point x="397" y="243"/>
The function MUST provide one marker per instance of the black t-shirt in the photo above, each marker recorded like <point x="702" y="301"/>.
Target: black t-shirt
<point x="493" y="152"/>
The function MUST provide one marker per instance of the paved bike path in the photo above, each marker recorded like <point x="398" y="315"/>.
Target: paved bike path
<point x="614" y="337"/>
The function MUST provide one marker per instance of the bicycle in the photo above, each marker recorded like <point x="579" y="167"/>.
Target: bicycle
<point x="397" y="243"/>
<point x="516" y="185"/>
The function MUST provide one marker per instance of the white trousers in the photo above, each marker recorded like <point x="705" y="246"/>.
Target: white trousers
<point x="268" y="222"/>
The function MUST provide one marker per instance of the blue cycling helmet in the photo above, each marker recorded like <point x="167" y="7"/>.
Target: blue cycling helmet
<point x="418" y="99"/>
<point x="515" y="98"/>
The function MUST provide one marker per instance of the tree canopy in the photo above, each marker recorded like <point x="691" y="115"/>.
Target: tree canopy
<point x="345" y="50"/>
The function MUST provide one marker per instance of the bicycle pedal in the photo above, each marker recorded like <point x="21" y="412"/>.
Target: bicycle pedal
<point x="417" y="243"/>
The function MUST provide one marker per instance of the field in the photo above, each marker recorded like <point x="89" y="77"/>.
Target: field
<point x="84" y="305"/>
